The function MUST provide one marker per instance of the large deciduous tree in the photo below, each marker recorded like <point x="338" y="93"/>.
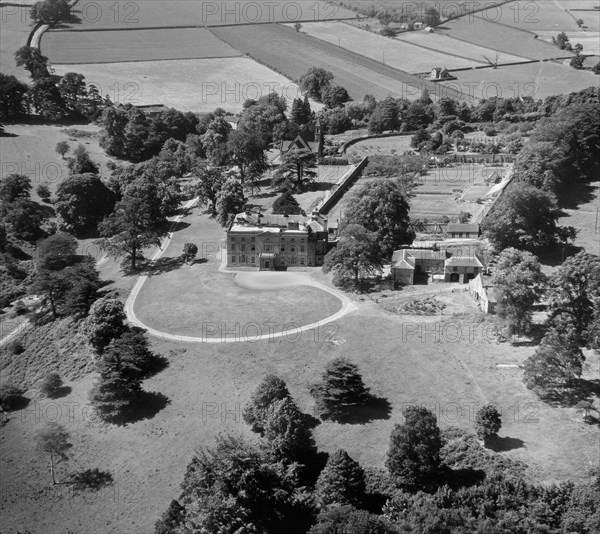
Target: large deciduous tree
<point x="558" y="361"/>
<point x="519" y="282"/>
<point x="230" y="201"/>
<point x="381" y="207"/>
<point x="12" y="92"/>
<point x="235" y="487"/>
<point x="525" y="218"/>
<point x="356" y="255"/>
<point x="137" y="222"/>
<point x="209" y="182"/>
<point x="33" y="60"/>
<point x="575" y="291"/>
<point x="315" y="81"/>
<point x="82" y="202"/>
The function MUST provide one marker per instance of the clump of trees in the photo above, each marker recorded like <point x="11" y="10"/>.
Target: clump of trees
<point x="124" y="361"/>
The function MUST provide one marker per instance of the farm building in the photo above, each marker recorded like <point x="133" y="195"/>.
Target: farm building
<point x="462" y="268"/>
<point x="438" y="265"/>
<point x="306" y="140"/>
<point x="463" y="230"/>
<point x="441" y="73"/>
<point x="484" y="293"/>
<point x="270" y="242"/>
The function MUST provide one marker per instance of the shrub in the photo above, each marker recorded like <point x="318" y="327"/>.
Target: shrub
<point x="16" y="347"/>
<point x="10" y="396"/>
<point x="271" y="389"/>
<point x="51" y="385"/>
<point x="487" y="422"/>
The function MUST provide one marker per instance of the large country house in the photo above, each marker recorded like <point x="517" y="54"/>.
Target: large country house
<point x="268" y="242"/>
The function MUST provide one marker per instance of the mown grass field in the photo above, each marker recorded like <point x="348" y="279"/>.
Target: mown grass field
<point x="531" y="16"/>
<point x="198" y="85"/>
<point x="502" y="38"/>
<point x="293" y="53"/>
<point x="446" y="44"/>
<point x="15" y="27"/>
<point x="393" y="52"/>
<point x="89" y="14"/>
<point x="65" y="47"/>
<point x="536" y="80"/>
<point x="169" y="301"/>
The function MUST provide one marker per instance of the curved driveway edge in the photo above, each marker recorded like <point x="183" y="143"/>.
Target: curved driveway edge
<point x="347" y="307"/>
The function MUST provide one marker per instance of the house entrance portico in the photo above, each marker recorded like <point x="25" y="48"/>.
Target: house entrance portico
<point x="268" y="261"/>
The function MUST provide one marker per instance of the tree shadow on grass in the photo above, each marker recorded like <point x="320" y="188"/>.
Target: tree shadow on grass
<point x="179" y="225"/>
<point x="155" y="364"/>
<point x="160" y="266"/>
<point x="555" y="256"/>
<point x="91" y="479"/>
<point x="374" y="408"/>
<point x="498" y="444"/>
<point x="579" y="390"/>
<point x="574" y="195"/>
<point x="61" y="392"/>
<point x="146" y="406"/>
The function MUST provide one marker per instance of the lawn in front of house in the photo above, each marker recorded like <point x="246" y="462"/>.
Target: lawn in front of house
<point x="199" y="301"/>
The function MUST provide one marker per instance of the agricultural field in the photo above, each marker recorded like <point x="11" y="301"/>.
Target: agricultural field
<point x="198" y="85"/>
<point x="589" y="40"/>
<point x="89" y="14"/>
<point x="15" y="27"/>
<point x="293" y="53"/>
<point x="531" y="16"/>
<point x="587" y="10"/>
<point x="443" y="42"/>
<point x="395" y="53"/>
<point x="64" y="47"/>
<point x="501" y="38"/>
<point x="384" y="146"/>
<point x="537" y="80"/>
